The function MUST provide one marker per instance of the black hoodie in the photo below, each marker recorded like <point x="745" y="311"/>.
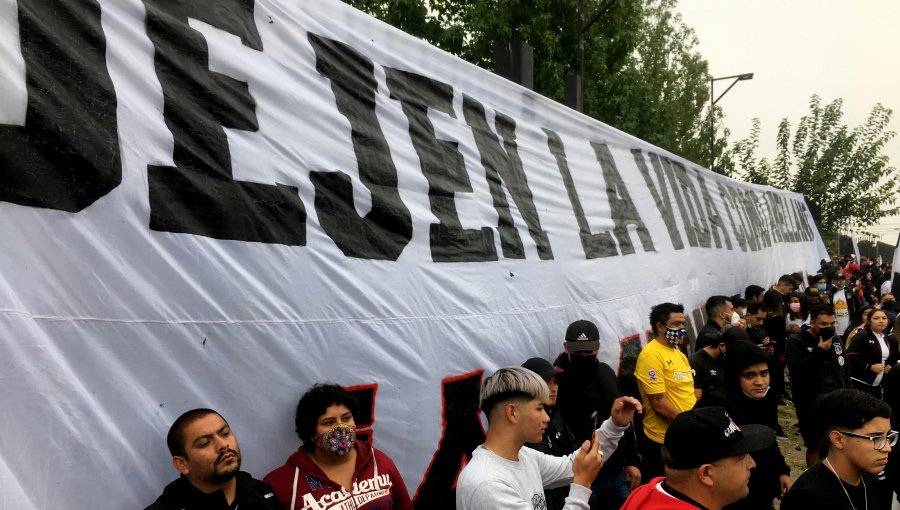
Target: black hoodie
<point x="583" y="390"/>
<point x="765" y="483"/>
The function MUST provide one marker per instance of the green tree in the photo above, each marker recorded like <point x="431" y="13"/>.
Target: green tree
<point x="846" y="178"/>
<point x="643" y="74"/>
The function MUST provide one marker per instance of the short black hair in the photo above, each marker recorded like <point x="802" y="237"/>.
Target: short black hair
<point x="661" y="312"/>
<point x="820" y="309"/>
<point x="848" y="409"/>
<point x="715" y="304"/>
<point x="314" y="403"/>
<point x="175" y="438"/>
<point x="752" y="291"/>
<point x="788" y="279"/>
<point x="755" y="307"/>
<point x="738" y="301"/>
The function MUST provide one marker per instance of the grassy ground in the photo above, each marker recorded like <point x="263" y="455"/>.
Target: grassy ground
<point x="792" y="446"/>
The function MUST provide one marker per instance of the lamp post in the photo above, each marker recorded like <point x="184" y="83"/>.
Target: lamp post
<point x="712" y="117"/>
<point x="575" y="83"/>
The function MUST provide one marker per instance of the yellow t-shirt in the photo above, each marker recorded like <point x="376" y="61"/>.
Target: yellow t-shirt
<point x="663" y="369"/>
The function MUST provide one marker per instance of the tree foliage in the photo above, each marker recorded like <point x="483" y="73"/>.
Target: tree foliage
<point x="846" y="178"/>
<point x="643" y="73"/>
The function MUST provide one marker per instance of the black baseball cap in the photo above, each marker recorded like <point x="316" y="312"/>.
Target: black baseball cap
<point x="541" y="367"/>
<point x="705" y="435"/>
<point x="582" y="335"/>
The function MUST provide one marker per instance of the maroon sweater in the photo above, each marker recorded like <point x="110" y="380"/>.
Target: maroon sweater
<point x="377" y="484"/>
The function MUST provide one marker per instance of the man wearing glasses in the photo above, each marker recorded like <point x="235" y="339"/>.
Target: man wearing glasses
<point x="859" y="438"/>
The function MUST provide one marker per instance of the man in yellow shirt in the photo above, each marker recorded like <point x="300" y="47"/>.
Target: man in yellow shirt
<point x="666" y="382"/>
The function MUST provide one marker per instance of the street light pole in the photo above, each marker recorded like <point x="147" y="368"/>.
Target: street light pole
<point x="583" y="26"/>
<point x="712" y="117"/>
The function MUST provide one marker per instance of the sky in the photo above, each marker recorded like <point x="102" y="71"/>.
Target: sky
<point x="798" y="48"/>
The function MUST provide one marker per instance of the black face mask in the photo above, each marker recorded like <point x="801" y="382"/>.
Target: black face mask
<point x="583" y="362"/>
<point x="889" y="305"/>
<point x="826" y="333"/>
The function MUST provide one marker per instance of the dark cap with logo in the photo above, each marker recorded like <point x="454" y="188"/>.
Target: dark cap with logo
<point x="705" y="435"/>
<point x="582" y="336"/>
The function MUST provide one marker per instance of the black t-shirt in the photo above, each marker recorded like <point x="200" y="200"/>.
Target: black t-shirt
<point x="709" y="372"/>
<point x="820" y="488"/>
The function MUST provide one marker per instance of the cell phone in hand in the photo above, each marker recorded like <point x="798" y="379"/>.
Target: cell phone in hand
<point x="594" y="420"/>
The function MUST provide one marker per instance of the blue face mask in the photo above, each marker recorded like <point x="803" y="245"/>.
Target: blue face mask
<point x="822" y="287"/>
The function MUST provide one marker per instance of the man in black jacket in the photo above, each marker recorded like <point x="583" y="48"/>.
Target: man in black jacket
<point x="558" y="440"/>
<point x="818" y="365"/>
<point x="718" y="315"/>
<point x="206" y="453"/>
<point x="587" y="386"/>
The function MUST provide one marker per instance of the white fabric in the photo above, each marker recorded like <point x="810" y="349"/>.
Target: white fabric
<point x="885" y="352"/>
<point x="110" y="330"/>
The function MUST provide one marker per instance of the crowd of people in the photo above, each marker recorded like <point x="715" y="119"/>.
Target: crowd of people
<point x="680" y="432"/>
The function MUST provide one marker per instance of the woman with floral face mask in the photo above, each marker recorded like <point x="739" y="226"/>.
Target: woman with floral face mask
<point x="332" y="468"/>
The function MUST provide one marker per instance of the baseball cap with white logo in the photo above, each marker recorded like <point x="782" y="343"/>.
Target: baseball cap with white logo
<point x="705" y="435"/>
<point x="582" y="335"/>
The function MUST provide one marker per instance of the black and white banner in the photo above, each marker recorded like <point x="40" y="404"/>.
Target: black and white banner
<point x="217" y="203"/>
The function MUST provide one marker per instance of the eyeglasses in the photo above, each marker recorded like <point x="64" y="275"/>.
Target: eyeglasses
<point x="879" y="441"/>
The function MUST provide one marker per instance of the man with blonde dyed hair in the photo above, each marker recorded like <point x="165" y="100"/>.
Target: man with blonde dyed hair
<point x="505" y="474"/>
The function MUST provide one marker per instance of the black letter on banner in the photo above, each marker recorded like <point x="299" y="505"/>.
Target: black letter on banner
<point x="621" y="207"/>
<point x="796" y="229"/>
<point x="503" y="166"/>
<point x="692" y="201"/>
<point x="387" y="228"/>
<point x="442" y="165"/>
<point x="199" y="196"/>
<point x="594" y="245"/>
<point x="688" y="225"/>
<point x="775" y="217"/>
<point x="659" y="196"/>
<point x="803" y="218"/>
<point x="740" y="233"/>
<point x="789" y="225"/>
<point x="66" y="156"/>
<point x="751" y="203"/>
<point x="715" y="219"/>
<point x="460" y="435"/>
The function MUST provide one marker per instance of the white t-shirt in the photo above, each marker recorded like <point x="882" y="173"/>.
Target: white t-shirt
<point x="491" y="482"/>
<point x="841" y="311"/>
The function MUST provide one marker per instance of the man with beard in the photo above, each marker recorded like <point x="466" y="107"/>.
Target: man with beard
<point x="206" y="453"/>
<point x="588" y="388"/>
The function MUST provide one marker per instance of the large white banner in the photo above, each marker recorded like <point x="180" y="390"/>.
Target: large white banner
<point x="218" y="203"/>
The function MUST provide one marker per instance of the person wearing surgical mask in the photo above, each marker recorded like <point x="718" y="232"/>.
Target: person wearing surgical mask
<point x="332" y="464"/>
<point x="798" y="312"/>
<point x="747" y="398"/>
<point x="818" y="364"/>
